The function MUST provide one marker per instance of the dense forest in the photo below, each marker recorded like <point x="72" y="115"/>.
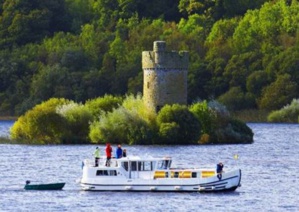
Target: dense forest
<point x="243" y="53"/>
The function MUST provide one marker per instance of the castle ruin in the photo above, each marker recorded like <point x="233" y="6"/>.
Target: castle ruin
<point x="164" y="76"/>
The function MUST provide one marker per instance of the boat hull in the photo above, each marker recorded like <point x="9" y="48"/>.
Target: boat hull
<point x="229" y="182"/>
<point x="51" y="186"/>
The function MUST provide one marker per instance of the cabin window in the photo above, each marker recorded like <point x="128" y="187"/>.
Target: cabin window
<point x="125" y="165"/>
<point x="194" y="175"/>
<point x="145" y="166"/>
<point x="106" y="173"/>
<point x="133" y="166"/>
<point x="164" y="164"/>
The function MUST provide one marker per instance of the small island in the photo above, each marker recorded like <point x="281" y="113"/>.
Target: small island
<point x="161" y="116"/>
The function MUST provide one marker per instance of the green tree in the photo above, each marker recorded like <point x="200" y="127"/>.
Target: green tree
<point x="240" y="67"/>
<point x="28" y="21"/>
<point x="278" y="93"/>
<point x="51" y="82"/>
<point x="81" y="12"/>
<point x="236" y="99"/>
<point x="256" y="81"/>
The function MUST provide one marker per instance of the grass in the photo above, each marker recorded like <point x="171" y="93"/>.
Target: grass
<point x="4" y="140"/>
<point x="255" y="116"/>
<point x="6" y="118"/>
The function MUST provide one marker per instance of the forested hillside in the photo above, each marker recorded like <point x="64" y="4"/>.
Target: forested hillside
<point x="243" y="53"/>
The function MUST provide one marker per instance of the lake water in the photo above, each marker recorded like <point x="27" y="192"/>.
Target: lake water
<point x="269" y="166"/>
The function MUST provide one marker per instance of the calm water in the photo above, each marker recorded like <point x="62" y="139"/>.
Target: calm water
<point x="270" y="180"/>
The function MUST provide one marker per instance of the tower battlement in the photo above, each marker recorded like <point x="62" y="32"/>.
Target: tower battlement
<point x="160" y="58"/>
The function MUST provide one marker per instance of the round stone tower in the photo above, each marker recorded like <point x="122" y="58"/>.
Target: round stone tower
<point x="164" y="76"/>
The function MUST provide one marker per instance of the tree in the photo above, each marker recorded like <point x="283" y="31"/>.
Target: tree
<point x="256" y="81"/>
<point x="236" y="99"/>
<point x="278" y="93"/>
<point x="51" y="82"/>
<point x="239" y="67"/>
<point x="29" y="21"/>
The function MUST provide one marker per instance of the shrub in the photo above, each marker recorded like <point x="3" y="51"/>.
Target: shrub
<point x="41" y="124"/>
<point x="136" y="105"/>
<point x="288" y="113"/>
<point x="180" y="121"/>
<point x="235" y="132"/>
<point x="103" y="104"/>
<point x="205" y="115"/>
<point x="78" y="118"/>
<point x="120" y="126"/>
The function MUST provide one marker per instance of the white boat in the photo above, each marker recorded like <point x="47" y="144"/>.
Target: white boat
<point x="154" y="174"/>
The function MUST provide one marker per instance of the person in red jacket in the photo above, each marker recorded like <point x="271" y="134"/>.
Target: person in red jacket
<point x="108" y="154"/>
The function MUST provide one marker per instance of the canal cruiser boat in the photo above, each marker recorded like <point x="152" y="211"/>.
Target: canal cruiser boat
<point x="154" y="174"/>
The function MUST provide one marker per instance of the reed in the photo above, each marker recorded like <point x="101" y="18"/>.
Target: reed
<point x="252" y="115"/>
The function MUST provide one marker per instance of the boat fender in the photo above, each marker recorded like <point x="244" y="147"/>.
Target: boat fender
<point x="82" y="164"/>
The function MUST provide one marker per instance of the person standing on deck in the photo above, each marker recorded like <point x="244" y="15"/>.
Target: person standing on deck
<point x="124" y="153"/>
<point x="96" y="156"/>
<point x="219" y="170"/>
<point x="119" y="151"/>
<point x="108" y="154"/>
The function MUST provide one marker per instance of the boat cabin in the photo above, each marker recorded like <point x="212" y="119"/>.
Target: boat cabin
<point x="143" y="168"/>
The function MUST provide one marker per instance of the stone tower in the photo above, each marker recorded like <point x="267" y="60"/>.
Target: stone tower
<point x="164" y="76"/>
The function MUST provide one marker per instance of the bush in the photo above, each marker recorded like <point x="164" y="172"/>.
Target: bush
<point x="78" y="118"/>
<point x="178" y="120"/>
<point x="235" y="132"/>
<point x="288" y="113"/>
<point x="120" y="126"/>
<point x="103" y="104"/>
<point x="136" y="105"/>
<point x="41" y="124"/>
<point x="205" y="115"/>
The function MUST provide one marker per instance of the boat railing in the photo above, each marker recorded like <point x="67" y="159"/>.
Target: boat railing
<point x="102" y="162"/>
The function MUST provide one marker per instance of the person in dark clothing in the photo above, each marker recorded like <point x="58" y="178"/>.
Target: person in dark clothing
<point x="119" y="151"/>
<point x="125" y="153"/>
<point x="108" y="154"/>
<point x="219" y="170"/>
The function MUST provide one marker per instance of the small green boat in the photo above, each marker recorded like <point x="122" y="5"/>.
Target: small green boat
<point x="50" y="186"/>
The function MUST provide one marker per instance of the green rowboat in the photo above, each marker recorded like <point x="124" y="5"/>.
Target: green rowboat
<point x="50" y="186"/>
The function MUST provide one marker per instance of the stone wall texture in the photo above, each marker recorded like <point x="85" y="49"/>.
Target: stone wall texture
<point x="164" y="76"/>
